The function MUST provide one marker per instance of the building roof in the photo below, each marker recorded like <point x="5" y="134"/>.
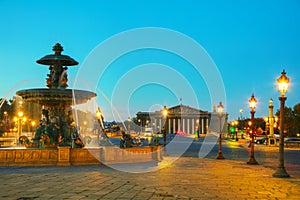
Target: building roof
<point x="178" y="110"/>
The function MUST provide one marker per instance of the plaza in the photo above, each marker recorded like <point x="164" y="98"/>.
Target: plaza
<point x="188" y="177"/>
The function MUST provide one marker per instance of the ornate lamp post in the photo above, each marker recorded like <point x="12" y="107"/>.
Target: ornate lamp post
<point x="165" y="114"/>
<point x="283" y="84"/>
<point x="220" y="114"/>
<point x="252" y="103"/>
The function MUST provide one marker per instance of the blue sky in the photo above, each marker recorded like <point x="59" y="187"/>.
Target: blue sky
<point x="249" y="41"/>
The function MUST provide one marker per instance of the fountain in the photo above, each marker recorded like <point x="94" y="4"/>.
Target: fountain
<point x="57" y="127"/>
<point x="57" y="137"/>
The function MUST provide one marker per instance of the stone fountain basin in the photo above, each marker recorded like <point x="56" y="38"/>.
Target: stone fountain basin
<point x="54" y="97"/>
<point x="65" y="156"/>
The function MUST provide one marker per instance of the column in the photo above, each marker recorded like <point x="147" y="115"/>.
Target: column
<point x="202" y="125"/>
<point x="179" y="124"/>
<point x="188" y="125"/>
<point x="183" y="124"/>
<point x="206" y="126"/>
<point x="193" y="125"/>
<point x="160" y="127"/>
<point x="169" y="126"/>
<point x="174" y="125"/>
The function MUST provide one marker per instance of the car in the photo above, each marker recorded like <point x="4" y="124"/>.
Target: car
<point x="262" y="140"/>
<point x="292" y="141"/>
<point x="179" y="132"/>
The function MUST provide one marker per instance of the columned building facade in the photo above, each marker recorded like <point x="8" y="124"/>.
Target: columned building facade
<point x="180" y="118"/>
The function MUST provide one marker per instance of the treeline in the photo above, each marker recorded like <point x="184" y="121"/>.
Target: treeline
<point x="291" y="120"/>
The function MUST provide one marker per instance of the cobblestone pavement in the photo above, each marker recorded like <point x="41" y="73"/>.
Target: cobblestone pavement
<point x="268" y="156"/>
<point x="186" y="178"/>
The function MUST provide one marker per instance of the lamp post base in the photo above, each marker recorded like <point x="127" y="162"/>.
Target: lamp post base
<point x="281" y="173"/>
<point x="252" y="161"/>
<point x="220" y="156"/>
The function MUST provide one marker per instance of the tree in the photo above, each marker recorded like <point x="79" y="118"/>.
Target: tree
<point x="291" y="119"/>
<point x="258" y="125"/>
<point x="297" y="118"/>
<point x="6" y="107"/>
<point x="6" y="112"/>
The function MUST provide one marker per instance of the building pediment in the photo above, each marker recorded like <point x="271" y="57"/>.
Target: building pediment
<point x="185" y="110"/>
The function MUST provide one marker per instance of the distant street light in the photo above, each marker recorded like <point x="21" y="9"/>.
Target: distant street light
<point x="6" y="122"/>
<point x="165" y="115"/>
<point x="252" y="103"/>
<point x="241" y="114"/>
<point x="220" y="108"/>
<point x="20" y="119"/>
<point x="129" y="124"/>
<point x="32" y="125"/>
<point x="283" y="84"/>
<point x="235" y="128"/>
<point x="140" y="124"/>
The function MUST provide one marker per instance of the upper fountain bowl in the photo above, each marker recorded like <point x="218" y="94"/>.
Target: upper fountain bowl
<point x="57" y="59"/>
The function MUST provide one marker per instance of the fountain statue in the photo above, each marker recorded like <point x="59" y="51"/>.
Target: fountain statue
<point x="57" y="126"/>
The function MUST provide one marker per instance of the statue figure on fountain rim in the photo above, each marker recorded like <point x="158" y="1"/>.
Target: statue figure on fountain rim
<point x="53" y="132"/>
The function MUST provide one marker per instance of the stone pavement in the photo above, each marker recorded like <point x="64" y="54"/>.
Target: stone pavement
<point x="186" y="178"/>
<point x="268" y="156"/>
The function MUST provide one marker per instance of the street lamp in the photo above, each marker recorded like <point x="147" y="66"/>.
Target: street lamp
<point x="6" y="122"/>
<point x="165" y="114"/>
<point x="232" y="129"/>
<point x="154" y="127"/>
<point x="33" y="125"/>
<point x="283" y="83"/>
<point x="220" y="108"/>
<point x="140" y="124"/>
<point x="252" y="103"/>
<point x="241" y="113"/>
<point x="20" y="119"/>
<point x="129" y="124"/>
<point x="235" y="128"/>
